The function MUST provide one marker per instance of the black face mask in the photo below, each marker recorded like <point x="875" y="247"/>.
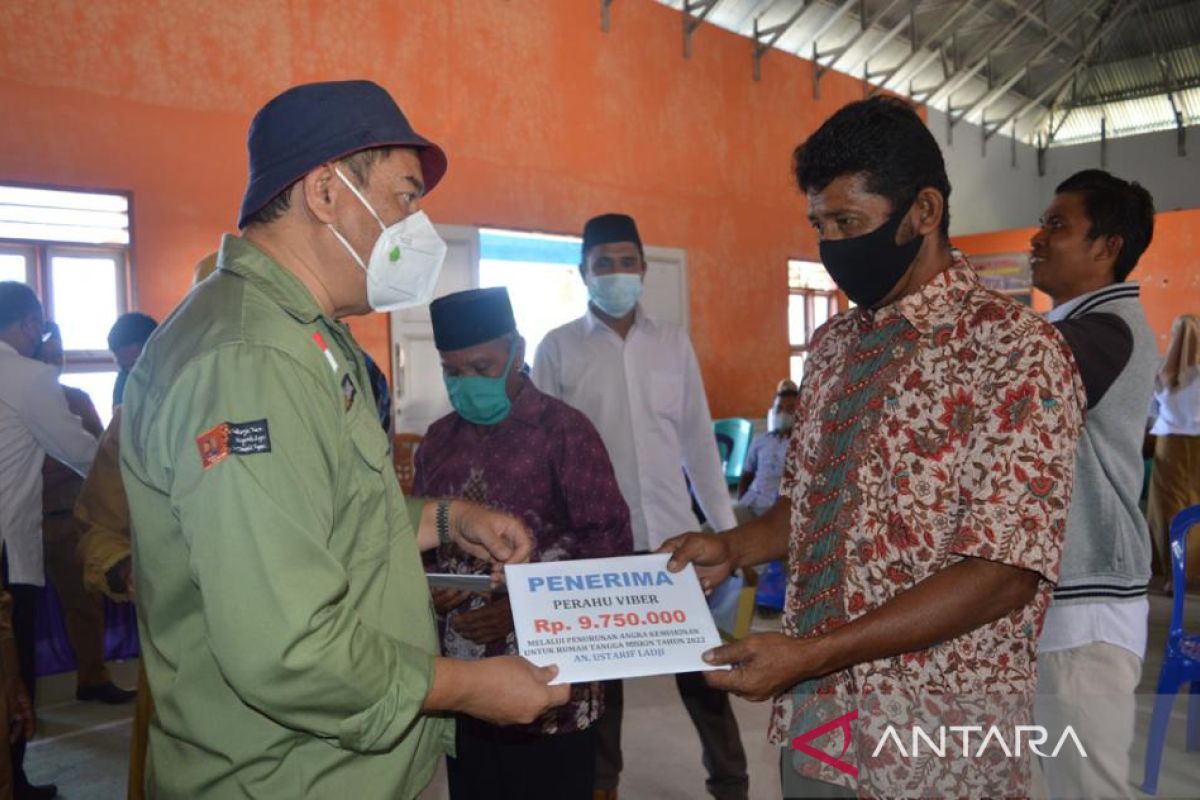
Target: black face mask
<point x="867" y="267"/>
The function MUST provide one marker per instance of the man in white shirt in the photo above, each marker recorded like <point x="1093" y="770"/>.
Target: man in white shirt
<point x="638" y="381"/>
<point x="34" y="422"/>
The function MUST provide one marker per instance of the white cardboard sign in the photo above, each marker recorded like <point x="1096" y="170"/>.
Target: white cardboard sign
<point x="608" y="618"/>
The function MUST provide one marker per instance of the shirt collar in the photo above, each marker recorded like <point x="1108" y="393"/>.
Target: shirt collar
<point x="242" y="258"/>
<point x="529" y="405"/>
<point x="1092" y="299"/>
<point x="939" y="302"/>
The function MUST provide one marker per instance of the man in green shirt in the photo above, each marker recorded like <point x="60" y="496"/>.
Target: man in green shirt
<point x="286" y="623"/>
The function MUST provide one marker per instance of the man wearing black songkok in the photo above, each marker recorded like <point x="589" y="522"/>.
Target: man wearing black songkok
<point x="510" y="447"/>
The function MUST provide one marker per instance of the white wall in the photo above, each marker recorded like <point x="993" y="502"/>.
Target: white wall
<point x="988" y="193"/>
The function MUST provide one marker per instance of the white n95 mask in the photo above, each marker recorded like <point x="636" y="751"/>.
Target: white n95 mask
<point x="405" y="262"/>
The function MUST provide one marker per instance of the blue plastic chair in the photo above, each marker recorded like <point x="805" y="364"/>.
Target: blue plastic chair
<point x="1181" y="663"/>
<point x="733" y="442"/>
<point x="772" y="586"/>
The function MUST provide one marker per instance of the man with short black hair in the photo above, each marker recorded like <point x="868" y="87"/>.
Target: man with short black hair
<point x="126" y="339"/>
<point x="34" y="422"/>
<point x="637" y="379"/>
<point x="922" y="508"/>
<point x="1090" y="651"/>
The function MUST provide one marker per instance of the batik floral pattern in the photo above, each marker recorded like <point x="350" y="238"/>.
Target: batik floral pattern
<point x="967" y="451"/>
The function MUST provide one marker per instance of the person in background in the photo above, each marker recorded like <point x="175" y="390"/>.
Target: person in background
<point x="758" y="488"/>
<point x="924" y="499"/>
<point x="1093" y="639"/>
<point x="511" y="447"/>
<point x="83" y="611"/>
<point x="35" y="421"/>
<point x="126" y="339"/>
<point x="286" y="627"/>
<point x="1175" y="475"/>
<point x="637" y="380"/>
<point x="50" y="352"/>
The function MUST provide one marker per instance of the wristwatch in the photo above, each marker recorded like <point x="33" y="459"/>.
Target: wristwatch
<point x="442" y="518"/>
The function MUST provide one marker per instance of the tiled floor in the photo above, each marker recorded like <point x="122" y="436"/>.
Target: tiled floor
<point x="83" y="747"/>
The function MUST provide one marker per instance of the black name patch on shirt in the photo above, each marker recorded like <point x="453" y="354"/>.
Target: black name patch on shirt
<point x="233" y="439"/>
<point x="247" y="438"/>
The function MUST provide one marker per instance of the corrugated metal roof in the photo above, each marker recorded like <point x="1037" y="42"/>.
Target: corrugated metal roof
<point x="985" y="60"/>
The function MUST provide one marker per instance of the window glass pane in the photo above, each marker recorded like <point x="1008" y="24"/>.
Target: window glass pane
<point x="85" y="299"/>
<point x="63" y="216"/>
<point x="797" y="335"/>
<point x="543" y="295"/>
<point x="797" y="367"/>
<point x="12" y="268"/>
<point x="823" y="309"/>
<point x="98" y="385"/>
<point x="809" y="275"/>
<point x="541" y="273"/>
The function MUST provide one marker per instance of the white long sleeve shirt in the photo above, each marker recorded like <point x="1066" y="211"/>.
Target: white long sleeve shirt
<point x="34" y="421"/>
<point x="1177" y="411"/>
<point x="645" y="396"/>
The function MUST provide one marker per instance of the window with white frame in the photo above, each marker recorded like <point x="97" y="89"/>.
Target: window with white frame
<point x="812" y="299"/>
<point x="72" y="248"/>
<point x="540" y="272"/>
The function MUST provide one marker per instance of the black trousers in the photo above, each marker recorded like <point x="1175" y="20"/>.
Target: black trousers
<point x="24" y="613"/>
<point x="712" y="715"/>
<point x="496" y="763"/>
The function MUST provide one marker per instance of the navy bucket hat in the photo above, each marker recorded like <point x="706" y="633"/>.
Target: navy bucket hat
<point x="315" y="123"/>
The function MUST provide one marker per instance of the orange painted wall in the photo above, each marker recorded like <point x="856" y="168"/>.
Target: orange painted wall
<point x="547" y="121"/>
<point x="1169" y="270"/>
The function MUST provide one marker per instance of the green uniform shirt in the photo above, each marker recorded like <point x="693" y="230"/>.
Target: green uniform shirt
<point x="286" y="624"/>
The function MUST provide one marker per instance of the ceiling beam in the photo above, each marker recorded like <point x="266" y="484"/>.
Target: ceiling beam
<point x="988" y="97"/>
<point x="1117" y="12"/>
<point x="919" y="49"/>
<point x="694" y="14"/>
<point x="766" y="38"/>
<point x="1165" y="71"/>
<point x="840" y="51"/>
<point x="960" y="76"/>
<point x="1039" y="21"/>
<point x="1136" y="92"/>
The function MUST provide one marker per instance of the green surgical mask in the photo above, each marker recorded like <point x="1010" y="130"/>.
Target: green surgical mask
<point x="480" y="399"/>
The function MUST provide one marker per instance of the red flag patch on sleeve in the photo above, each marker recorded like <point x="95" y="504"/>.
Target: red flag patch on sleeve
<point x="213" y="445"/>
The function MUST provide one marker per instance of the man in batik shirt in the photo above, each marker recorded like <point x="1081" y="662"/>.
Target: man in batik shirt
<point x="924" y="499"/>
<point x="510" y="447"/>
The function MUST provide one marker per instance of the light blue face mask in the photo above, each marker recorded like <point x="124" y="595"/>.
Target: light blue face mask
<point x="481" y="399"/>
<point x="615" y="294"/>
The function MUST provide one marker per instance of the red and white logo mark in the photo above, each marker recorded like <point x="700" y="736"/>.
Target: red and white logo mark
<point x="801" y="743"/>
